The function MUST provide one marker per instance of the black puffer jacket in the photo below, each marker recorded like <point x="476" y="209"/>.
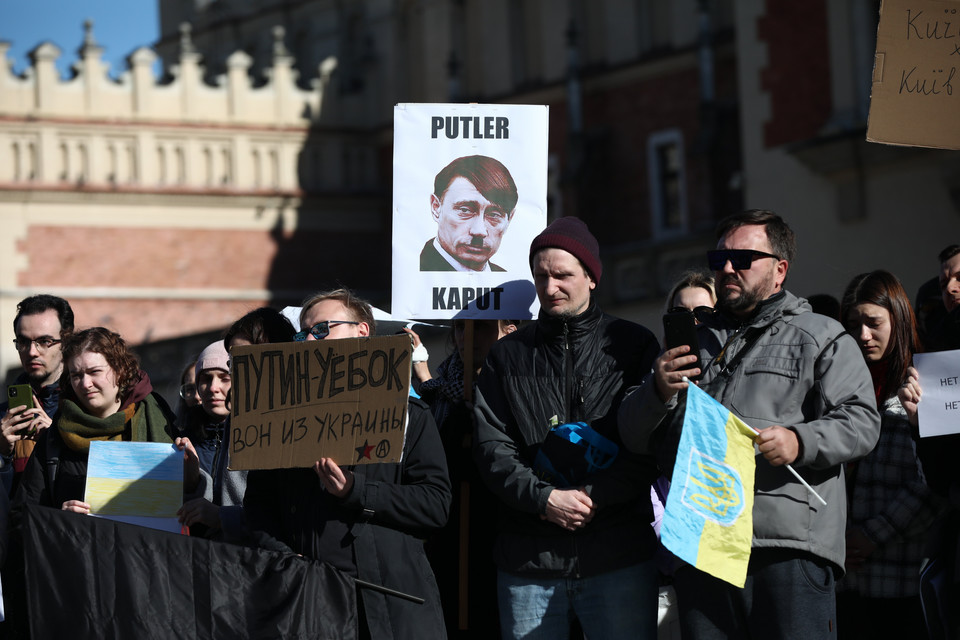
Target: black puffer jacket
<point x="577" y="370"/>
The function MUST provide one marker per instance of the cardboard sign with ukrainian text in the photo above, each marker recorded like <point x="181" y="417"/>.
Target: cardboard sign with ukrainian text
<point x="469" y="196"/>
<point x="294" y="403"/>
<point x="915" y="96"/>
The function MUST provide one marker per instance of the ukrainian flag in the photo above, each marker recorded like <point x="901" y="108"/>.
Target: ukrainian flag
<point x="708" y="520"/>
<point x="138" y="482"/>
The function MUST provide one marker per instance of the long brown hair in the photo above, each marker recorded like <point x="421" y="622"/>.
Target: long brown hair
<point x="884" y="290"/>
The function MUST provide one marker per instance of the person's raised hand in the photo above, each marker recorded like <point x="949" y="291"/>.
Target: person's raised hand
<point x="670" y="369"/>
<point x="909" y="395"/>
<point x="13" y="425"/>
<point x="191" y="463"/>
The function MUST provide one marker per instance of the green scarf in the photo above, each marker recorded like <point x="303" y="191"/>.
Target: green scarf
<point x="144" y="421"/>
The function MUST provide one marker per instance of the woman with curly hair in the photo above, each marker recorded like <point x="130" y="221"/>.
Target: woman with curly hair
<point x="106" y="396"/>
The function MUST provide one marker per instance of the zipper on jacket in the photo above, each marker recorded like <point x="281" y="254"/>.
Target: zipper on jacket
<point x="576" y="555"/>
<point x="568" y="396"/>
<point x="214" y="468"/>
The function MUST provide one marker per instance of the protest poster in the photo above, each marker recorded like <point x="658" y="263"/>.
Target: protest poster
<point x="135" y="482"/>
<point x="294" y="403"/>
<point x="939" y="409"/>
<point x="915" y="94"/>
<point x="469" y="195"/>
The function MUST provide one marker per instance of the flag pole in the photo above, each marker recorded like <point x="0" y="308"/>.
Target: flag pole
<point x="795" y="474"/>
<point x="388" y="591"/>
<point x="788" y="466"/>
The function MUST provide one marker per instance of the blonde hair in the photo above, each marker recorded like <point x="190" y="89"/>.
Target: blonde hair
<point x="359" y="308"/>
<point x="692" y="278"/>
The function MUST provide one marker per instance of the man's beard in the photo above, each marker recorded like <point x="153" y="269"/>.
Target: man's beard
<point x="40" y="377"/>
<point x="568" y="314"/>
<point x="744" y="303"/>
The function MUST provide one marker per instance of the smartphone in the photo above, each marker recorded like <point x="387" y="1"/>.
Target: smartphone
<point x="680" y="327"/>
<point x="20" y="395"/>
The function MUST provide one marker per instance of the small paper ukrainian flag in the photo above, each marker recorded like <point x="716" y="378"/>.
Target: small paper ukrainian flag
<point x="708" y="520"/>
<point x="137" y="482"/>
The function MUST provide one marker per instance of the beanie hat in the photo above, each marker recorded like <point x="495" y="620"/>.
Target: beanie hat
<point x="571" y="235"/>
<point x="213" y="357"/>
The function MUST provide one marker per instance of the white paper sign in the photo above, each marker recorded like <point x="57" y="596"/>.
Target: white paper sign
<point x="939" y="408"/>
<point x="469" y="195"/>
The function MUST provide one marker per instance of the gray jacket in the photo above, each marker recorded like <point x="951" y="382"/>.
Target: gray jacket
<point x="784" y="366"/>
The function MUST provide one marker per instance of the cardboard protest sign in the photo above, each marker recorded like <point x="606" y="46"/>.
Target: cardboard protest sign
<point x="916" y="90"/>
<point x="469" y="195"/>
<point x="135" y="482"/>
<point x="939" y="408"/>
<point x="294" y="403"/>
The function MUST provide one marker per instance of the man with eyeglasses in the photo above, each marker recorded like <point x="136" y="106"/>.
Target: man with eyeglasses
<point x="42" y="321"/>
<point x="366" y="520"/>
<point x="798" y="378"/>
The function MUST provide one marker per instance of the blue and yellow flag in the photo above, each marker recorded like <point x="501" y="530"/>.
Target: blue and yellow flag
<point x="708" y="521"/>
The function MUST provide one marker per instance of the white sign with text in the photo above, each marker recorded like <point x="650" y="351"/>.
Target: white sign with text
<point x="469" y="195"/>
<point x="939" y="408"/>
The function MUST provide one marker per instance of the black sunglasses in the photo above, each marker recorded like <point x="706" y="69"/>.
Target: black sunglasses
<point x="740" y="259"/>
<point x="320" y="330"/>
<point x="701" y="313"/>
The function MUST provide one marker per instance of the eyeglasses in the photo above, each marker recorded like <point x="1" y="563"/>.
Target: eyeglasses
<point x="44" y="343"/>
<point x="740" y="259"/>
<point x="188" y="391"/>
<point x="701" y="313"/>
<point x="320" y="330"/>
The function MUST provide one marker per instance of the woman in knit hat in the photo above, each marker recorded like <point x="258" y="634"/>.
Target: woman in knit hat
<point x="213" y="506"/>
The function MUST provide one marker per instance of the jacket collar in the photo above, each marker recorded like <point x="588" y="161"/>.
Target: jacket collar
<point x="576" y="326"/>
<point x="52" y="389"/>
<point x="764" y="310"/>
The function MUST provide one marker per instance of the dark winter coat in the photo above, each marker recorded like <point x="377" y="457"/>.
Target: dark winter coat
<point x="574" y="369"/>
<point x="388" y="512"/>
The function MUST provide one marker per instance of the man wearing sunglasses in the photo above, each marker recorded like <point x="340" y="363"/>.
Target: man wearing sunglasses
<point x="42" y="321"/>
<point x="366" y="520"/>
<point x="799" y="379"/>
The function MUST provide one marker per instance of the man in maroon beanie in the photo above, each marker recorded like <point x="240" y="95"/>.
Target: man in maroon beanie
<point x="575" y="539"/>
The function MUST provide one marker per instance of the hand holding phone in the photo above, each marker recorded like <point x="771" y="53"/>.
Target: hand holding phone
<point x="18" y="416"/>
<point x="20" y="395"/>
<point x="681" y="359"/>
<point x="680" y="328"/>
<point x="25" y="422"/>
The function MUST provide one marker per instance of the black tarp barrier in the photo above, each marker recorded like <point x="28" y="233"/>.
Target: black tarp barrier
<point x="88" y="577"/>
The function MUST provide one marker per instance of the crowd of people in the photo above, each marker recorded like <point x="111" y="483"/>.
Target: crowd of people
<point x="537" y="457"/>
